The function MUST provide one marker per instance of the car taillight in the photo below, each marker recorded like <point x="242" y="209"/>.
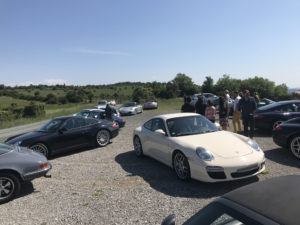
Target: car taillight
<point x="278" y="128"/>
<point x="258" y="116"/>
<point x="114" y="125"/>
<point x="123" y="121"/>
<point x="43" y="166"/>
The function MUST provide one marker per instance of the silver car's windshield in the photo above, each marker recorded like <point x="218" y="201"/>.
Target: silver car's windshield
<point x="83" y="113"/>
<point x="190" y="125"/>
<point x="5" y="148"/>
<point x="51" y="126"/>
<point x="129" y="104"/>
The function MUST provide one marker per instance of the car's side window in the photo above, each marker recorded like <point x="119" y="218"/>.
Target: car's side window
<point x="158" y="124"/>
<point x="79" y="122"/>
<point x="148" y="125"/>
<point x="69" y="124"/>
<point x="90" y="121"/>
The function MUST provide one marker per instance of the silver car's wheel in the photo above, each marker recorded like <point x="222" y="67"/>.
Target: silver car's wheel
<point x="181" y="166"/>
<point x="138" y="149"/>
<point x="295" y="146"/>
<point x="41" y="148"/>
<point x="275" y="124"/>
<point x="9" y="187"/>
<point x="103" y="137"/>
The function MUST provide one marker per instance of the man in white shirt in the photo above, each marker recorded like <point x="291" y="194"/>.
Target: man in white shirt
<point x="236" y="113"/>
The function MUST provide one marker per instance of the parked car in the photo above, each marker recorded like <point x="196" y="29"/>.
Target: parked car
<point x="102" y="104"/>
<point x="131" y="108"/>
<point x="66" y="133"/>
<point x="264" y="101"/>
<point x="269" y="116"/>
<point x="150" y="105"/>
<point x="287" y="135"/>
<point x="270" y="202"/>
<point x="207" y="96"/>
<point x="100" y="114"/>
<point x="187" y="143"/>
<point x="16" y="165"/>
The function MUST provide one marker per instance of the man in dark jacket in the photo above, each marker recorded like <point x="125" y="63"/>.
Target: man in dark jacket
<point x="200" y="106"/>
<point x="109" y="113"/>
<point x="187" y="107"/>
<point x="248" y="106"/>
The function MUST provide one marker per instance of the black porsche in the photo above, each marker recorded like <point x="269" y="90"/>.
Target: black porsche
<point x="287" y="135"/>
<point x="66" y="133"/>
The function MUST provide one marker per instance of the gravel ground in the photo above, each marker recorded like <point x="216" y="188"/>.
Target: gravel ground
<point x="111" y="186"/>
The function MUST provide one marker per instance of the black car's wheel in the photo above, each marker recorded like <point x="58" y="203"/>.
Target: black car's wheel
<point x="9" y="186"/>
<point x="102" y="137"/>
<point x="41" y="148"/>
<point x="138" y="149"/>
<point x="276" y="123"/>
<point x="181" y="166"/>
<point x="295" y="146"/>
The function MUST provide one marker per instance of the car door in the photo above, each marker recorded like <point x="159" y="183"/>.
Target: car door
<point x="159" y="143"/>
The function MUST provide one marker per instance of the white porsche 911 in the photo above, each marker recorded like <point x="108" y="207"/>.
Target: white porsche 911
<point x="197" y="149"/>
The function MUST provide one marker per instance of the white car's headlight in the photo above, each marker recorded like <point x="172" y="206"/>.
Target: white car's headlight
<point x="204" y="154"/>
<point x="254" y="145"/>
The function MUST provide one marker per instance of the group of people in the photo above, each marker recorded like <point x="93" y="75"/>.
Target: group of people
<point x="244" y="107"/>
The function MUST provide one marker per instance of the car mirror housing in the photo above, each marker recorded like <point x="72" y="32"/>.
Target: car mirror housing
<point x="63" y="129"/>
<point x="170" y="220"/>
<point x="160" y="131"/>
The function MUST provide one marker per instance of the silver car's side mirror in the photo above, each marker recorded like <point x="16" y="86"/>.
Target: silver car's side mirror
<point x="170" y="220"/>
<point x="160" y="131"/>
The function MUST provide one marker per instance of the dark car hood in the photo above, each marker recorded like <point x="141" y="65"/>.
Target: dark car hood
<point x="26" y="136"/>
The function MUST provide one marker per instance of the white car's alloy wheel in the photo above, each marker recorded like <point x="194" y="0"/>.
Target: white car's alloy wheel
<point x="181" y="166"/>
<point x="9" y="186"/>
<point x="137" y="146"/>
<point x="41" y="148"/>
<point x="103" y="138"/>
<point x="295" y="146"/>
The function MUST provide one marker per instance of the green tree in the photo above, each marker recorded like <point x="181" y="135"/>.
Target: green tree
<point x="141" y="94"/>
<point x="263" y="86"/>
<point x="281" y="92"/>
<point x="185" y="84"/>
<point x="227" y="83"/>
<point x="208" y="85"/>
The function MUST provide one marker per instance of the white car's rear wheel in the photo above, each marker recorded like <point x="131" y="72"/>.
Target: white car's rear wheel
<point x="9" y="186"/>
<point x="181" y="166"/>
<point x="138" y="149"/>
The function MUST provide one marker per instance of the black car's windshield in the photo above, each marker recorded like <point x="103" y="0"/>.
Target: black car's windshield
<point x="190" y="125"/>
<point x="129" y="104"/>
<point x="51" y="126"/>
<point x="102" y="103"/>
<point x="5" y="148"/>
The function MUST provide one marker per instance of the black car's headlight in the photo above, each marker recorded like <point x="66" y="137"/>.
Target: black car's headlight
<point x="204" y="154"/>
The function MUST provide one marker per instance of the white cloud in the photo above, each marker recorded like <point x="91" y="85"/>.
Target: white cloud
<point x="95" y="52"/>
<point x="45" y="82"/>
<point x="55" y="81"/>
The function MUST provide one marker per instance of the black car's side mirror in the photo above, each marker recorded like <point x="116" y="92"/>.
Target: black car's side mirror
<point x="170" y="220"/>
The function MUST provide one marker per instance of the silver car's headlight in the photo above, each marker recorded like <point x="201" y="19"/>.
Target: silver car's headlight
<point x="204" y="154"/>
<point x="254" y="145"/>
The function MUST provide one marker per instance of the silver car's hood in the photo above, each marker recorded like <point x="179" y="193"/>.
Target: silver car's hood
<point x="127" y="108"/>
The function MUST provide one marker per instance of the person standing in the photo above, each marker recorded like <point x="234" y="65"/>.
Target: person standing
<point x="187" y="107"/>
<point x="200" y="106"/>
<point x="248" y="106"/>
<point x="223" y="112"/>
<point x="236" y="113"/>
<point x="109" y="113"/>
<point x="210" y="111"/>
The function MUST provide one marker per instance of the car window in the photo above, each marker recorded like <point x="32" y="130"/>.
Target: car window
<point x="148" y="125"/>
<point x="91" y="121"/>
<point x="190" y="125"/>
<point x="97" y="115"/>
<point x="52" y="125"/>
<point x="158" y="124"/>
<point x="130" y="104"/>
<point x="79" y="122"/>
<point x="5" y="148"/>
<point x="69" y="124"/>
<point x="289" y="108"/>
<point x="83" y="113"/>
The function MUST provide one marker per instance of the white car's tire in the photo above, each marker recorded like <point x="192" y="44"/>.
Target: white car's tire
<point x="9" y="186"/>
<point x="181" y="166"/>
<point x="138" y="148"/>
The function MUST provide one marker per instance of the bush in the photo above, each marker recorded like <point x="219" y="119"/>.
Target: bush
<point x="34" y="110"/>
<point x="5" y="116"/>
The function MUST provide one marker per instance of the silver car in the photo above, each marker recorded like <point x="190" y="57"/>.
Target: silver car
<point x="131" y="108"/>
<point x="16" y="165"/>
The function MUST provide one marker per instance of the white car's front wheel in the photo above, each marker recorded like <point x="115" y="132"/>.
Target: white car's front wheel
<point x="138" y="149"/>
<point x="181" y="166"/>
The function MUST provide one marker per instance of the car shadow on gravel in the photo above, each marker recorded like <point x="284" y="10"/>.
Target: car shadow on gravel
<point x="26" y="189"/>
<point x="282" y="156"/>
<point x="164" y="180"/>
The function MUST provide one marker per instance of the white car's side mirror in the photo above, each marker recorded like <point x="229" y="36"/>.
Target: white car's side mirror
<point x="160" y="131"/>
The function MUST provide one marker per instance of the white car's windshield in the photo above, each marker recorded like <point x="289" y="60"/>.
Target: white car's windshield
<point x="190" y="125"/>
<point x="53" y="125"/>
<point x="129" y="104"/>
<point x="5" y="149"/>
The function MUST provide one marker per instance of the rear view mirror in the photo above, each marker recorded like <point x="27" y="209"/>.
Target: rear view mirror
<point x="63" y="129"/>
<point x="160" y="131"/>
<point x="170" y="220"/>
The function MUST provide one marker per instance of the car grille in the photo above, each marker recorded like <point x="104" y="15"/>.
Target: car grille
<point x="217" y="175"/>
<point x="247" y="171"/>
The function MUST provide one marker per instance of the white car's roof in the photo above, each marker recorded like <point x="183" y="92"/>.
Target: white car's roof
<point x="175" y="115"/>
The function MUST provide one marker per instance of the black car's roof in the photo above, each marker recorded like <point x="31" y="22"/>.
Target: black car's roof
<point x="277" y="199"/>
<point x="68" y="117"/>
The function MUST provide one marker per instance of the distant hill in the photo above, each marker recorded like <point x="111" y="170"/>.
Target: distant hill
<point x="291" y="90"/>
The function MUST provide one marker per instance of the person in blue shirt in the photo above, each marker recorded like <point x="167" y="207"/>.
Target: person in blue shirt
<point x="247" y="106"/>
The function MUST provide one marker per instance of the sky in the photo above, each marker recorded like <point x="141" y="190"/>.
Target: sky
<point x="80" y="42"/>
